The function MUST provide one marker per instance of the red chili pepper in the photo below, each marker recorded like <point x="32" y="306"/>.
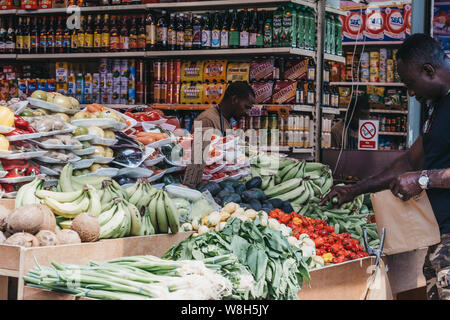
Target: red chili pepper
<point x="16" y="172"/>
<point x="33" y="171"/>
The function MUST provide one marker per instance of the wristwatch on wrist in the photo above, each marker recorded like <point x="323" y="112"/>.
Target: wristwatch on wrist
<point x="424" y="180"/>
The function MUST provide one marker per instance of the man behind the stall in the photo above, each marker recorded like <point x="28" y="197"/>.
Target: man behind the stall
<point x="237" y="100"/>
<point x="425" y="69"/>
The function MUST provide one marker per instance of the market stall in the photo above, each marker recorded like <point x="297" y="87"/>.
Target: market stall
<point x="95" y="139"/>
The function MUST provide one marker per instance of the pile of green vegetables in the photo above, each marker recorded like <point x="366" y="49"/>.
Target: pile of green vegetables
<point x="278" y="269"/>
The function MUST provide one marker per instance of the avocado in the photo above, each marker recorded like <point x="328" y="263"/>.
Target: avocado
<point x="212" y="187"/>
<point x="230" y="189"/>
<point x="234" y="197"/>
<point x="276" y="203"/>
<point x="240" y="188"/>
<point x="286" y="207"/>
<point x="267" y="204"/>
<point x="255" y="204"/>
<point x="218" y="201"/>
<point x="245" y="206"/>
<point x="223" y="194"/>
<point x="255" y="182"/>
<point x="267" y="210"/>
<point x="260" y="195"/>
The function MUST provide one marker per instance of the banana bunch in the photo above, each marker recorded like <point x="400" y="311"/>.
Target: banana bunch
<point x="162" y="213"/>
<point x="26" y="193"/>
<point x="121" y="220"/>
<point x="140" y="194"/>
<point x="67" y="182"/>
<point x="268" y="165"/>
<point x="72" y="203"/>
<point x="110" y="191"/>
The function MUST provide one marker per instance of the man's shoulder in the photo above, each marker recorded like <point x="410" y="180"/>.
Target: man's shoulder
<point x="207" y="114"/>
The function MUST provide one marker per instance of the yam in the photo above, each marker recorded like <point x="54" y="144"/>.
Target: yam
<point x="67" y="236"/>
<point x="22" y="239"/>
<point x="46" y="238"/>
<point x="4" y="212"/>
<point x="87" y="227"/>
<point x="29" y="219"/>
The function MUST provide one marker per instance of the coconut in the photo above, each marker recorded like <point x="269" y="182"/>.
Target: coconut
<point x="4" y="212"/>
<point x="67" y="236"/>
<point x="22" y="239"/>
<point x="29" y="218"/>
<point x="47" y="238"/>
<point x="49" y="219"/>
<point x="2" y="237"/>
<point x="87" y="226"/>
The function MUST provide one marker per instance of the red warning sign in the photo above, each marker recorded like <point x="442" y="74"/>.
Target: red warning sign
<point x="368" y="135"/>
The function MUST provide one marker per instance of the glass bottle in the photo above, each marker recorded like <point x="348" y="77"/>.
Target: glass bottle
<point x="234" y="30"/>
<point x="97" y="43"/>
<point x="114" y="39"/>
<point x="2" y="36"/>
<point x="89" y="35"/>
<point x="124" y="36"/>
<point x="268" y="36"/>
<point x="253" y="29"/>
<point x="172" y="33"/>
<point x="196" y="33"/>
<point x="260" y="33"/>
<point x="43" y="36"/>
<point x="10" y="42"/>
<point x="206" y="32"/>
<point x="34" y="48"/>
<point x="27" y="36"/>
<point x="244" y="35"/>
<point x="188" y="33"/>
<point x="215" y="32"/>
<point x="161" y="32"/>
<point x="142" y="34"/>
<point x="225" y="32"/>
<point x="51" y="36"/>
<point x="150" y="30"/>
<point x="132" y="35"/>
<point x="81" y="34"/>
<point x="180" y="32"/>
<point x="66" y="39"/>
<point x="105" y="34"/>
<point x="19" y="36"/>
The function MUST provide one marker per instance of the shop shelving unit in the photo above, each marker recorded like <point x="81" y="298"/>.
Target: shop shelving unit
<point x="319" y="6"/>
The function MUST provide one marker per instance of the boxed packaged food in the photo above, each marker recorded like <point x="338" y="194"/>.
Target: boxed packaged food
<point x="191" y="93"/>
<point x="284" y="91"/>
<point x="263" y="92"/>
<point x="29" y="4"/>
<point x="296" y="69"/>
<point x="215" y="71"/>
<point x="262" y="69"/>
<point x="45" y="4"/>
<point x="213" y="92"/>
<point x="62" y="70"/>
<point x="192" y="71"/>
<point x="237" y="71"/>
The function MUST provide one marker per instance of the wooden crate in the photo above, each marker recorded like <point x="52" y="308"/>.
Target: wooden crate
<point x="17" y="261"/>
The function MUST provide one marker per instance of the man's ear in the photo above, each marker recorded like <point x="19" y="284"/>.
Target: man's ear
<point x="234" y="100"/>
<point x="429" y="70"/>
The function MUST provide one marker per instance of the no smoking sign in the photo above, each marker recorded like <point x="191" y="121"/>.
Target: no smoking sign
<point x="368" y="134"/>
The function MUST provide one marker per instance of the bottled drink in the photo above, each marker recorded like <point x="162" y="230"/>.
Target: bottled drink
<point x="301" y="31"/>
<point x="206" y="32"/>
<point x="268" y="34"/>
<point x="335" y="97"/>
<point x="234" y="30"/>
<point x="59" y="36"/>
<point x="81" y="34"/>
<point x="172" y="33"/>
<point x="224" y="33"/>
<point x="260" y="33"/>
<point x="132" y="35"/>
<point x="196" y="33"/>
<point x="19" y="36"/>
<point x="114" y="40"/>
<point x="293" y="25"/>
<point x="215" y="33"/>
<point x="243" y="35"/>
<point x="161" y="32"/>
<point x="105" y="34"/>
<point x="66" y="38"/>
<point x="142" y="34"/>
<point x="311" y="94"/>
<point x="124" y="36"/>
<point x="311" y="70"/>
<point x="89" y="35"/>
<point x="27" y="36"/>
<point x="312" y="29"/>
<point x="43" y="43"/>
<point x="326" y="73"/>
<point x="253" y="29"/>
<point x="150" y="30"/>
<point x="97" y="34"/>
<point x="74" y="40"/>
<point x="51" y="36"/>
<point x="188" y="33"/>
<point x="2" y="36"/>
<point x="338" y="35"/>
<point x="34" y="47"/>
<point x="10" y="42"/>
<point x="180" y="32"/>
<point x="332" y="40"/>
<point x="325" y="96"/>
<point x="277" y="26"/>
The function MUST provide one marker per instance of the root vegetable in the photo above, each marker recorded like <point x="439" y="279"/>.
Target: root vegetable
<point x="22" y="239"/>
<point x="4" y="212"/>
<point x="67" y="236"/>
<point x="87" y="227"/>
<point x="47" y="238"/>
<point x="29" y="218"/>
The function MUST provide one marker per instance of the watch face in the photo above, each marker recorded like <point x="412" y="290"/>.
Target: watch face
<point x="423" y="181"/>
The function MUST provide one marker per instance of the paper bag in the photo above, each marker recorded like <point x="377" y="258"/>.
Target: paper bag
<point x="409" y="224"/>
<point x="378" y="286"/>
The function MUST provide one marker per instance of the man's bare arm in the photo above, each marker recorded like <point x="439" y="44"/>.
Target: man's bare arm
<point x="410" y="161"/>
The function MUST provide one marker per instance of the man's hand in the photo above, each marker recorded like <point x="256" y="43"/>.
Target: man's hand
<point x="406" y="185"/>
<point x="344" y="194"/>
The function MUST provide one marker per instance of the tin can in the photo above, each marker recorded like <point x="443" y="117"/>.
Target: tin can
<point x="42" y="84"/>
<point x="170" y="87"/>
<point x="116" y="94"/>
<point x="163" y="92"/>
<point x="96" y="80"/>
<point x="103" y="67"/>
<point x="140" y="92"/>
<point x="140" y="71"/>
<point x="176" y="93"/>
<point x="102" y="83"/>
<point x="132" y="69"/>
<point x="123" y="95"/>
<point x="23" y="86"/>
<point x="109" y="80"/>
<point x="32" y="85"/>
<point x="51" y="85"/>
<point x="157" y="70"/>
<point x="164" y="70"/>
<point x="171" y="71"/>
<point x="116" y="67"/>
<point x="156" y="92"/>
